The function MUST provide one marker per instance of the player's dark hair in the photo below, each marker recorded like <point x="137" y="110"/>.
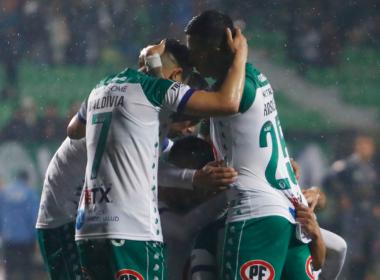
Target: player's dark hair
<point x="211" y="27"/>
<point x="181" y="54"/>
<point x="197" y="82"/>
<point x="191" y="152"/>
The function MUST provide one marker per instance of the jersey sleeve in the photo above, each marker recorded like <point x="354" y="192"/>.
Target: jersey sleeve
<point x="249" y="95"/>
<point x="177" y="97"/>
<point x="170" y="94"/>
<point x="82" y="113"/>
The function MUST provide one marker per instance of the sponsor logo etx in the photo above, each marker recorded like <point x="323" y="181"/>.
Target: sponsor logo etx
<point x="96" y="195"/>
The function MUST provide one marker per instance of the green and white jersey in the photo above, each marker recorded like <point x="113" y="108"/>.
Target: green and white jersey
<point x="119" y="198"/>
<point x="63" y="185"/>
<point x="253" y="144"/>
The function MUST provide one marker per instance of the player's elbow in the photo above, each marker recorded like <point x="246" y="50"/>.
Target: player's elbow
<point x="71" y="133"/>
<point x="340" y="248"/>
<point x="74" y="133"/>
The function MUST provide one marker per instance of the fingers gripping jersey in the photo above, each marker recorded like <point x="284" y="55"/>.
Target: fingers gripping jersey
<point x="63" y="185"/>
<point x="252" y="142"/>
<point x="119" y="199"/>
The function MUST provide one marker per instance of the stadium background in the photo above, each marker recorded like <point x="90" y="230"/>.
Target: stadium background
<point x="321" y="57"/>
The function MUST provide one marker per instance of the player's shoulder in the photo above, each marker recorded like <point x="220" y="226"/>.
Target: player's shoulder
<point x="253" y="81"/>
<point x="127" y="75"/>
<point x="255" y="76"/>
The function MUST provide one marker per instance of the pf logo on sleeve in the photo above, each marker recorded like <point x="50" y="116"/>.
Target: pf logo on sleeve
<point x="257" y="270"/>
<point x="128" y="274"/>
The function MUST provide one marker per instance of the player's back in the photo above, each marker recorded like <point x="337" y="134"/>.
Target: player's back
<point x="122" y="133"/>
<point x="252" y="142"/>
<point x="63" y="185"/>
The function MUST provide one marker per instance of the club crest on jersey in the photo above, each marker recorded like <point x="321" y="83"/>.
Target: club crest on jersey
<point x="257" y="270"/>
<point x="128" y="274"/>
<point x="309" y="268"/>
<point x="86" y="274"/>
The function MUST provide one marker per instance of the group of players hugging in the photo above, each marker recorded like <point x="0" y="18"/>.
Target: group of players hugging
<point x="121" y="201"/>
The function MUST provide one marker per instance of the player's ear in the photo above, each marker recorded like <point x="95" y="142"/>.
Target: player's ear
<point x="176" y="75"/>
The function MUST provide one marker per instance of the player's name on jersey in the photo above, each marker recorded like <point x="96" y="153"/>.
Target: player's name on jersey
<point x="106" y="101"/>
<point x="269" y="103"/>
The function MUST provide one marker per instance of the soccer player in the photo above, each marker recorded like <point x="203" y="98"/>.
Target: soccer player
<point x="118" y="226"/>
<point x="263" y="239"/>
<point x="58" y="207"/>
<point x="180" y="228"/>
<point x="60" y="197"/>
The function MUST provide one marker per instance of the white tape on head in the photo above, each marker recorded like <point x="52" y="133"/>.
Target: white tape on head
<point x="153" y="61"/>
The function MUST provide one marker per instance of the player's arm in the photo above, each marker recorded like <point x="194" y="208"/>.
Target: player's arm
<point x="226" y="100"/>
<point x="77" y="126"/>
<point x="316" y="199"/>
<point x="212" y="176"/>
<point x="76" y="129"/>
<point x="306" y="217"/>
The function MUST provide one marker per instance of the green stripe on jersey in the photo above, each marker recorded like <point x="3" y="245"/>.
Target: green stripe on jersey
<point x="154" y="89"/>
<point x="253" y="80"/>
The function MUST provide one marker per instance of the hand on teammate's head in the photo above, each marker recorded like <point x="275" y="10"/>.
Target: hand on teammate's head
<point x="237" y="44"/>
<point x="151" y="50"/>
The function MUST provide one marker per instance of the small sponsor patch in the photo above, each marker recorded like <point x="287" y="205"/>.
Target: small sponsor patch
<point x="80" y="219"/>
<point x="128" y="274"/>
<point x="257" y="270"/>
<point x="262" y="78"/>
<point x="293" y="212"/>
<point x="309" y="268"/>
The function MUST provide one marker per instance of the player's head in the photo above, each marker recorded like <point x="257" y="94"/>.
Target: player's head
<point x="175" y="61"/>
<point x="183" y="124"/>
<point x="207" y="42"/>
<point x="191" y="152"/>
<point x="197" y="82"/>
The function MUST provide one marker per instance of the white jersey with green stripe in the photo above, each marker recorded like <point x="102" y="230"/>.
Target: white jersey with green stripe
<point x="63" y="184"/>
<point x="122" y="115"/>
<point x="253" y="144"/>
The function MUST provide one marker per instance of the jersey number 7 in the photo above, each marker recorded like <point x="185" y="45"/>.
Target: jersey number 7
<point x="105" y="119"/>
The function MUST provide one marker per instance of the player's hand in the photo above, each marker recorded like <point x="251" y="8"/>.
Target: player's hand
<point x="151" y="50"/>
<point x="312" y="197"/>
<point x="214" y="177"/>
<point x="305" y="216"/>
<point x="238" y="45"/>
<point x="296" y="168"/>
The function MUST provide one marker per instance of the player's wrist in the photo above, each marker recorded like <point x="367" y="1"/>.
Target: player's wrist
<point x="316" y="235"/>
<point x="239" y="60"/>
